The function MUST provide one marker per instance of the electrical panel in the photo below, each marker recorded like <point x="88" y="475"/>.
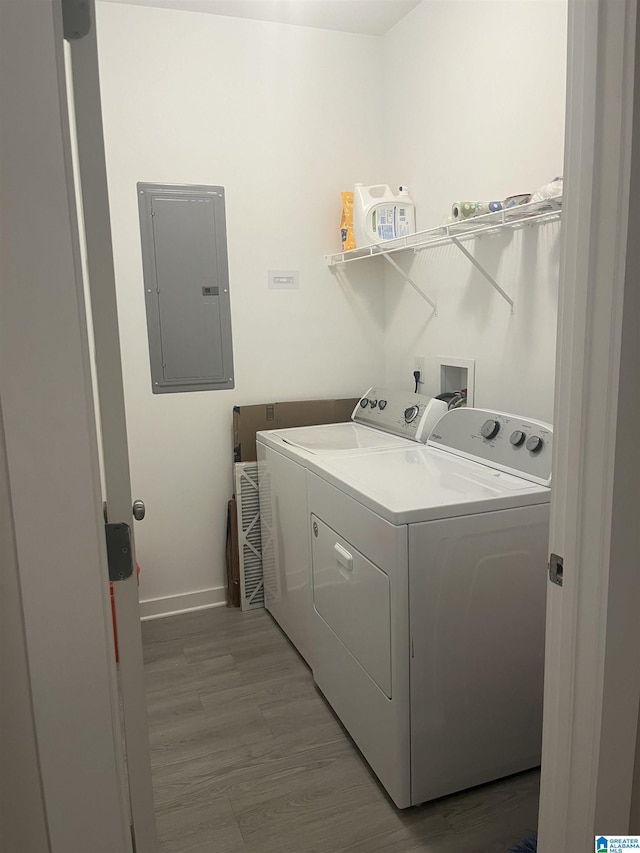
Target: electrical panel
<point x="186" y="283"/>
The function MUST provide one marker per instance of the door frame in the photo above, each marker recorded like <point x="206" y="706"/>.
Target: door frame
<point x="52" y="453"/>
<point x="94" y="226"/>
<point x="592" y="683"/>
<point x="591" y="703"/>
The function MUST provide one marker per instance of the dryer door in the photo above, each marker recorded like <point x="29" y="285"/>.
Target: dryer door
<point x="352" y="596"/>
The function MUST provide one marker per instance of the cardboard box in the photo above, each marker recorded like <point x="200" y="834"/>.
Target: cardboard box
<point x="248" y="420"/>
<point x="232" y="555"/>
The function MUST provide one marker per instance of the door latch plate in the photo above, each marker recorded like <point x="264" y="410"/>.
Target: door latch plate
<point x="119" y="554"/>
<point x="556" y="569"/>
<point x="76" y="19"/>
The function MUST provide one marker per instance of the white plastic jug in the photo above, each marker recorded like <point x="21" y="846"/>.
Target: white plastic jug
<point x="379" y="214"/>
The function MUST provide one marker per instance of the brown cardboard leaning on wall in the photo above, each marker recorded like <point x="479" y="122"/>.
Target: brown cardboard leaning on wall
<point x="247" y="420"/>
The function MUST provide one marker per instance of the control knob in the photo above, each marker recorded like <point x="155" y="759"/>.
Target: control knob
<point x="490" y="429"/>
<point x="382" y="405"/>
<point x="411" y="413"/>
<point x="364" y="402"/>
<point x="517" y="438"/>
<point x="373" y="404"/>
<point x="534" y="444"/>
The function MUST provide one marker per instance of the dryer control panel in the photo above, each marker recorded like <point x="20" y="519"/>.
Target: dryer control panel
<point x="401" y="413"/>
<point x="511" y="443"/>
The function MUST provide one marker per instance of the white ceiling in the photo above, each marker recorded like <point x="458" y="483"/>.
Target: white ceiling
<point x="370" y="17"/>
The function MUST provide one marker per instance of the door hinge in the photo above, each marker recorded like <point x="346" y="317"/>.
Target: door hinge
<point x="119" y="552"/>
<point x="76" y="19"/>
<point x="556" y="569"/>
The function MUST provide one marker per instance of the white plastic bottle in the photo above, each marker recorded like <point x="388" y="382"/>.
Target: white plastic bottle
<point x="379" y="214"/>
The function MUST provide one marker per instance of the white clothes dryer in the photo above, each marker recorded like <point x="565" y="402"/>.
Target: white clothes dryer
<point x="428" y="580"/>
<point x="383" y="419"/>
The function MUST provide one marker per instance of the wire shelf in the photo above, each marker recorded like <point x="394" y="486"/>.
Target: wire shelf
<point x="455" y="233"/>
<point x="533" y="213"/>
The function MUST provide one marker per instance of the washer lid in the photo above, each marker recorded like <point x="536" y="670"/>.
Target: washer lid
<point x="425" y="484"/>
<point x="331" y="438"/>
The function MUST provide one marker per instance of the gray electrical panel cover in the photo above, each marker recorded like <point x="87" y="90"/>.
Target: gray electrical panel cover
<point x="186" y="283"/>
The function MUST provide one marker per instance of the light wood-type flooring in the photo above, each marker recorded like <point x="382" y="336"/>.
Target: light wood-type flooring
<point x="248" y="757"/>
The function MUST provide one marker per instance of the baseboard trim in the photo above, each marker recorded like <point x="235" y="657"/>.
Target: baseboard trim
<point x="171" y="605"/>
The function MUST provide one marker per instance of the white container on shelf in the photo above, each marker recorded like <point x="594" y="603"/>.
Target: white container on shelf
<point x="380" y="214"/>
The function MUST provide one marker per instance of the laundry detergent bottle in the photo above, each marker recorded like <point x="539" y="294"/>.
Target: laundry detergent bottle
<point x="379" y="214"/>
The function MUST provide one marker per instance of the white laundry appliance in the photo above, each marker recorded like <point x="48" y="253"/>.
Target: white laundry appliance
<point x="383" y="419"/>
<point x="428" y="577"/>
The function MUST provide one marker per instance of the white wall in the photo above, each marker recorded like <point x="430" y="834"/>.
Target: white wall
<point x="284" y="118"/>
<point x="474" y="106"/>
<point x="460" y="99"/>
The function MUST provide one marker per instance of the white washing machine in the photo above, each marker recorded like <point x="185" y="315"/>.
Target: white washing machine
<point x="428" y="579"/>
<point x="383" y="419"/>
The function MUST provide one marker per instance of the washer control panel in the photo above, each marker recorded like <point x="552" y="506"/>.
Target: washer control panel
<point x="399" y="412"/>
<point x="510" y="443"/>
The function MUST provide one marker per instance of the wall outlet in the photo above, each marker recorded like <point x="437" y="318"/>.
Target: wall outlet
<point x="418" y="364"/>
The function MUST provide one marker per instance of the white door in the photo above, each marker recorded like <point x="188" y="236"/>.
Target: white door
<point x="592" y="681"/>
<point x="50" y="445"/>
<point x="87" y="141"/>
<point x="54" y="512"/>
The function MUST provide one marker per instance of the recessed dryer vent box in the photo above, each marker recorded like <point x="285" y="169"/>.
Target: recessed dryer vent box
<point x="456" y="374"/>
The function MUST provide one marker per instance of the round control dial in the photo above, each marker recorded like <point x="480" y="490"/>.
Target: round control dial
<point x="411" y="414"/>
<point x="535" y="443"/>
<point x="517" y="438"/>
<point x="382" y="405"/>
<point x="364" y="402"/>
<point x="373" y="404"/>
<point x="490" y="429"/>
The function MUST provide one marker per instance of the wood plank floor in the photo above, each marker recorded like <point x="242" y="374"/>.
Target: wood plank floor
<point x="248" y="757"/>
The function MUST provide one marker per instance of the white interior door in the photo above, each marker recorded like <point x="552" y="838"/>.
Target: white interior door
<point x="95" y="231"/>
<point x="52" y="520"/>
<point x="592" y="682"/>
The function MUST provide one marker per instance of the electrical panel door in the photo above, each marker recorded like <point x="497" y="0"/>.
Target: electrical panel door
<point x="186" y="282"/>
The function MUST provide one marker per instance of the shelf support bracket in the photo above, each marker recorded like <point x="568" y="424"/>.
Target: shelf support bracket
<point x="408" y="279"/>
<point x="480" y="268"/>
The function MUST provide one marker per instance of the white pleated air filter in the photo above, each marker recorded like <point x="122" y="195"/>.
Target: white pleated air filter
<point x="249" y="540"/>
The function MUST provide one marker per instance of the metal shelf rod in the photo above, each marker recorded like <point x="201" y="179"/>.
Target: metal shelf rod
<point x="484" y="272"/>
<point x="408" y="279"/>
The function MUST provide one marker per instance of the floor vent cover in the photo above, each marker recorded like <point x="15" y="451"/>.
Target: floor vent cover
<point x="249" y="540"/>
